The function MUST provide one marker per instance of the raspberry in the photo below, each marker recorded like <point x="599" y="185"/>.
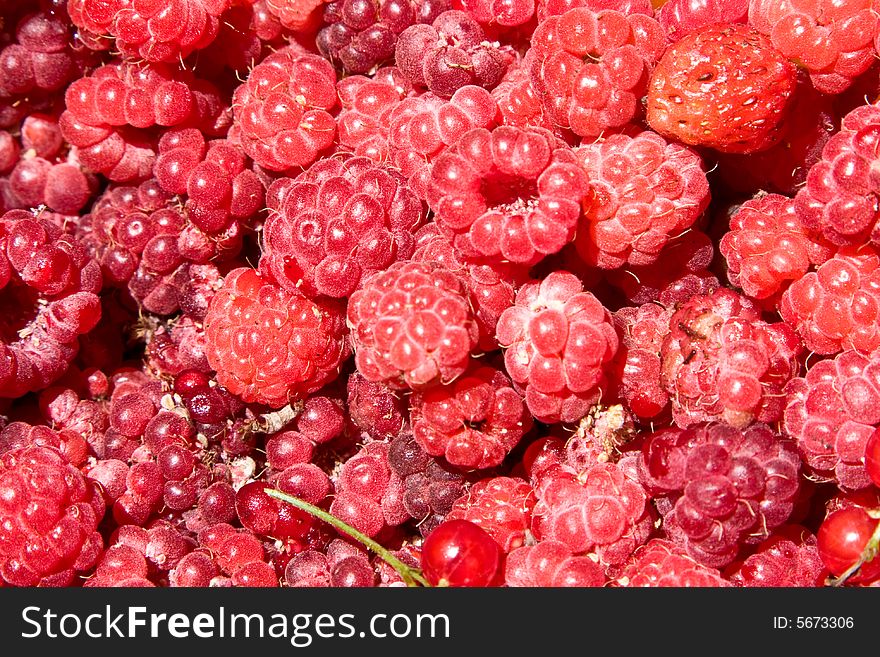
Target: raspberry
<point x="557" y="340"/>
<point x="518" y="100"/>
<point x="604" y="510"/>
<point x="153" y="31"/>
<point x="591" y="68"/>
<point x="547" y="8"/>
<point x="840" y="197"/>
<point x="491" y="285"/>
<point x="835" y="44"/>
<point x="502" y="506"/>
<point x="220" y="186"/>
<point x="720" y="361"/>
<point x="497" y="15"/>
<point x="374" y="407"/>
<point x="295" y="15"/>
<point x="336" y="224"/>
<point x="510" y="192"/>
<point x="766" y="247"/>
<point x="550" y="563"/>
<point x="412" y="326"/>
<point x="727" y="486"/>
<point x="832" y="412"/>
<point x="430" y="488"/>
<point x="281" y="113"/>
<point x="679" y="273"/>
<point x="367" y="103"/>
<point x="362" y="35"/>
<point x="643" y="329"/>
<point x="681" y="17"/>
<point x="782" y="561"/>
<point x="448" y="54"/>
<point x="271" y="346"/>
<point x="473" y="422"/>
<point x="724" y="87"/>
<point x="422" y="128"/>
<point x="599" y="437"/>
<point x="836" y="307"/>
<point x="662" y="563"/>
<point x="643" y="191"/>
<point x="49" y="518"/>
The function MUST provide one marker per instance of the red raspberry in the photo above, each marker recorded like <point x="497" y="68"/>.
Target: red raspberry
<point x="491" y="285"/>
<point x="375" y="408"/>
<point x="767" y="247"/>
<point x="518" y="101"/>
<point x="679" y="273"/>
<point x="720" y="361"/>
<point x="643" y="191"/>
<point x="837" y="306"/>
<point x="509" y="193"/>
<point x="663" y="563"/>
<point x="835" y="42"/>
<point x="841" y="195"/>
<point x="502" y="506"/>
<point x="412" y="326"/>
<point x="153" y="31"/>
<point x="643" y="329"/>
<point x="547" y="8"/>
<point x="789" y="558"/>
<point x="48" y="519"/>
<point x="723" y="86"/>
<point x="281" y="112"/>
<point x="271" y="346"/>
<point x="296" y="15"/>
<point x="337" y="223"/>
<point x="367" y="103"/>
<point x="681" y="17"/>
<point x="550" y="563"/>
<point x="474" y="422"/>
<point x="832" y="413"/>
<point x="727" y="487"/>
<point x="591" y="68"/>
<point x="450" y="53"/>
<point x="604" y="510"/>
<point x="558" y="339"/>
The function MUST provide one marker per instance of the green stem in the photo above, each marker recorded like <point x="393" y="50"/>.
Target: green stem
<point x="411" y="576"/>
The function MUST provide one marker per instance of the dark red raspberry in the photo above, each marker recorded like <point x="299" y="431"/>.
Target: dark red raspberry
<point x="558" y="339"/>
<point x="336" y="224"/>
<point x="281" y="112"/>
<point x="727" y="487"/>
<point x="450" y="53"/>
<point x="412" y="326"/>
<point x="375" y="408"/>
<point x="509" y="193"/>
<point x="723" y="86"/>
<point x="269" y="345"/>
<point x="48" y="519"/>
<point x="643" y="192"/>
<point x="591" y="68"/>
